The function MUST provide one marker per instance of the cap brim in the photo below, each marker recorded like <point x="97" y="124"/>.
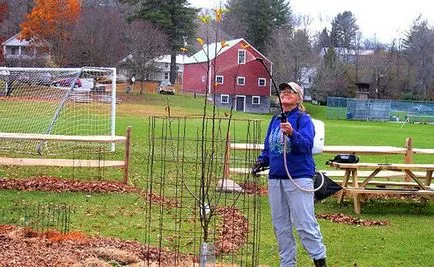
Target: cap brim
<point x="283" y="86"/>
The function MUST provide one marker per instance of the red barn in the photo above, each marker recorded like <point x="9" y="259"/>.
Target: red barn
<point x="236" y="76"/>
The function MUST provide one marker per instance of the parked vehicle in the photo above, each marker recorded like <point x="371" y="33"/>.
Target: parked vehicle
<point x="36" y="78"/>
<point x="166" y="87"/>
<point x="67" y="82"/>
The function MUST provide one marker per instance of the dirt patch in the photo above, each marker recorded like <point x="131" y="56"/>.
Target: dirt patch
<point x="346" y="219"/>
<point x="253" y="188"/>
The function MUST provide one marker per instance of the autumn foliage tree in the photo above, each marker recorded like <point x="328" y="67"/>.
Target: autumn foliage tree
<point x="52" y="20"/>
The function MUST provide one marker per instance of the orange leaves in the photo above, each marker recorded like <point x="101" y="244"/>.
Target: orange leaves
<point x="245" y="46"/>
<point x="223" y="44"/>
<point x="50" y="19"/>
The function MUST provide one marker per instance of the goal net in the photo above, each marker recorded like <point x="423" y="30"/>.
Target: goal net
<point x="55" y="101"/>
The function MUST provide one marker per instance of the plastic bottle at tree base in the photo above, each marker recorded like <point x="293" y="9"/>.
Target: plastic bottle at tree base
<point x="207" y="255"/>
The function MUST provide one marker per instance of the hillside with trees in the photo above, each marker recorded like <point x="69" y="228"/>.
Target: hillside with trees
<point x="103" y="32"/>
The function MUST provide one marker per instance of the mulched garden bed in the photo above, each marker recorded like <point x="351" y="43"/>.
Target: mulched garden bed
<point x="26" y="247"/>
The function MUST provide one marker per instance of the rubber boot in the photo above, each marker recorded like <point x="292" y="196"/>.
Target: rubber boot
<point x="320" y="263"/>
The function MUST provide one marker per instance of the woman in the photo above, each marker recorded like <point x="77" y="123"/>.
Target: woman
<point x="290" y="205"/>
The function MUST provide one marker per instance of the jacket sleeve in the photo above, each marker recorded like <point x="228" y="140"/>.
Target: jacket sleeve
<point x="264" y="157"/>
<point x="302" y="138"/>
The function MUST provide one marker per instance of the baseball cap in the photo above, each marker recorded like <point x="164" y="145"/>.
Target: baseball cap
<point x="294" y="86"/>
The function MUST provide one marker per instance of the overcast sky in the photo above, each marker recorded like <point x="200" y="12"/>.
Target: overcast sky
<point x="383" y="19"/>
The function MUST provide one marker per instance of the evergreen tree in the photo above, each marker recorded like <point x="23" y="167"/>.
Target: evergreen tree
<point x="174" y="17"/>
<point x="418" y="47"/>
<point x="323" y="40"/>
<point x="256" y="20"/>
<point x="344" y="30"/>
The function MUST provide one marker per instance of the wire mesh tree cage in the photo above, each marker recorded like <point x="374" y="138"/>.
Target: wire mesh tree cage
<point x="196" y="207"/>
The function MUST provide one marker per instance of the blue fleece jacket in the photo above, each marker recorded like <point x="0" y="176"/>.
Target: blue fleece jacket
<point x="298" y="147"/>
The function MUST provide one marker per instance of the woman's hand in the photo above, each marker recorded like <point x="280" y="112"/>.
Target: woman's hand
<point x="286" y="128"/>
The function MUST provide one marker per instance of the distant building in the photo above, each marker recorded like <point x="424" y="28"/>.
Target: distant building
<point x="25" y="52"/>
<point x="349" y="55"/>
<point x="159" y="68"/>
<point x="241" y="80"/>
<point x="162" y="68"/>
<point x="306" y="81"/>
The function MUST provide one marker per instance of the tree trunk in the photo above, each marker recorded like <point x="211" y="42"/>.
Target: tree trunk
<point x="172" y="67"/>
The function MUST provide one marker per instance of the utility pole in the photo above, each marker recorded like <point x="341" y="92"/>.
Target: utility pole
<point x="377" y="89"/>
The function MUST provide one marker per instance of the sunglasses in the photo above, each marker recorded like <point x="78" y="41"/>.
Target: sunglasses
<point x="288" y="91"/>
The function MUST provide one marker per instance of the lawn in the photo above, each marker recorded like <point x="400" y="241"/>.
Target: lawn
<point x="405" y="241"/>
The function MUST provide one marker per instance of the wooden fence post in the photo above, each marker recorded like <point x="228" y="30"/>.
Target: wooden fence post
<point x="127" y="153"/>
<point x="408" y="157"/>
<point x="227" y="156"/>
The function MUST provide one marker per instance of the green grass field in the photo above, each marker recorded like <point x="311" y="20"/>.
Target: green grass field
<point x="406" y="241"/>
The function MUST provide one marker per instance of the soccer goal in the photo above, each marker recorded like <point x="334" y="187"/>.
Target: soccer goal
<point x="55" y="101"/>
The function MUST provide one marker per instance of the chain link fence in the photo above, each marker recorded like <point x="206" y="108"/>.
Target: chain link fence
<point x="340" y="108"/>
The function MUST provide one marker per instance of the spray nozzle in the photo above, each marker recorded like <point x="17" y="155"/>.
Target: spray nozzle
<point x="282" y="117"/>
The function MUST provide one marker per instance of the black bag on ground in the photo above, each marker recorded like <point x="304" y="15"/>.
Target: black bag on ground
<point x="344" y="158"/>
<point x="329" y="187"/>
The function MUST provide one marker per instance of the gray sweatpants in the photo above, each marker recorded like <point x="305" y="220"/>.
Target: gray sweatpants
<point x="290" y="207"/>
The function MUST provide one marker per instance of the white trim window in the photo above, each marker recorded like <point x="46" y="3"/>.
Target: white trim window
<point x="262" y="82"/>
<point x="224" y="99"/>
<point x="241" y="56"/>
<point x="256" y="100"/>
<point x="241" y="80"/>
<point x="219" y="79"/>
<point x="166" y="76"/>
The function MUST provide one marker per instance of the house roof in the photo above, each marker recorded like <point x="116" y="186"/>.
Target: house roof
<point x="180" y="59"/>
<point x="16" y="41"/>
<point x="209" y="51"/>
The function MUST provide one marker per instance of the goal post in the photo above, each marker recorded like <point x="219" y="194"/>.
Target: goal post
<point x="56" y="101"/>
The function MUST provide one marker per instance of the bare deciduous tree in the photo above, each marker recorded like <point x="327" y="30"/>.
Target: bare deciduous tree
<point x="419" y="51"/>
<point x="99" y="38"/>
<point x="290" y="52"/>
<point x="145" y="42"/>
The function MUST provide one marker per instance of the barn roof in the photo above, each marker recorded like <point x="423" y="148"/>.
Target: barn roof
<point x="212" y="50"/>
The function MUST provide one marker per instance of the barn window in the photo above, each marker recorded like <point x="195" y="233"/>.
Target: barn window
<point x="241" y="56"/>
<point x="219" y="79"/>
<point x="224" y="99"/>
<point x="241" y="81"/>
<point x="262" y="82"/>
<point x="256" y="100"/>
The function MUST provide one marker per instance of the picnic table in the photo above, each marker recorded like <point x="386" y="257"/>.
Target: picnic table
<point x="372" y="150"/>
<point x="419" y="187"/>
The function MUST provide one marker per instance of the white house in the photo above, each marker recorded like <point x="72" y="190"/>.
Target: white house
<point x="162" y="72"/>
<point x="15" y="48"/>
<point x="306" y="81"/>
<point x="160" y="68"/>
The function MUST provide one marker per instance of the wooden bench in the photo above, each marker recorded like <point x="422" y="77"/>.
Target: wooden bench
<point x="70" y="162"/>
